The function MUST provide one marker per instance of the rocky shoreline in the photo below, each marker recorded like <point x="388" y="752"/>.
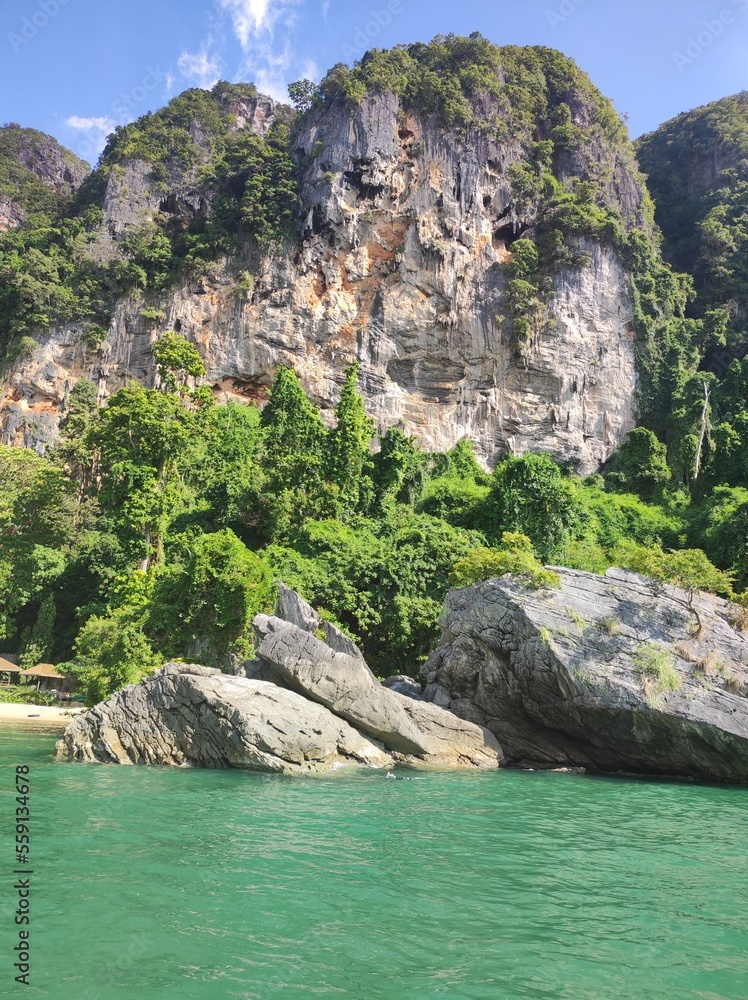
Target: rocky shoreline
<point x="306" y="704"/>
<point x="611" y="673"/>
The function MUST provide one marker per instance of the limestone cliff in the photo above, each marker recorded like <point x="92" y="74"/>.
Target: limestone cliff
<point x="35" y="173"/>
<point x="406" y="229"/>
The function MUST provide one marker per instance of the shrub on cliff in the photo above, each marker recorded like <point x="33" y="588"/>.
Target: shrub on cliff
<point x="514" y="554"/>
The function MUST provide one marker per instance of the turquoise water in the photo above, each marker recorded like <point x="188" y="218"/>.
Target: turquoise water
<point x="167" y="883"/>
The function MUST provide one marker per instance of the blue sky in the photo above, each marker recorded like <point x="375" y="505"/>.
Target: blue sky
<point x="76" y="68"/>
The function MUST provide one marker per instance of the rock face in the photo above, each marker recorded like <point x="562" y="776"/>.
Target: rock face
<point x="607" y="673"/>
<point x="404" y="685"/>
<point x="186" y="714"/>
<point x="337" y="713"/>
<point x="31" y="161"/>
<point x="346" y="686"/>
<point x="401" y="263"/>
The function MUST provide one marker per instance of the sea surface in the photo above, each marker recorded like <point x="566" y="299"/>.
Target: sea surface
<point x="172" y="883"/>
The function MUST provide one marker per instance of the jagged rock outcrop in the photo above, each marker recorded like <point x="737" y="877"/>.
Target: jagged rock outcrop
<point x="136" y="193"/>
<point x="187" y="714"/>
<point x="346" y="686"/>
<point x="609" y="673"/>
<point x="406" y="231"/>
<point x="35" y="172"/>
<point x="304" y="706"/>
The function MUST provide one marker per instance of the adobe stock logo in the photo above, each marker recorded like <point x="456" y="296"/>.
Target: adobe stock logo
<point x="697" y="44"/>
<point x="566" y="9"/>
<point x="367" y="32"/>
<point x="30" y="27"/>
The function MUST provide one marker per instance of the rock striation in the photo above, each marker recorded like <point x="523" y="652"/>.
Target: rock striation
<point x="188" y="714"/>
<point x="313" y="707"/>
<point x="347" y="687"/>
<point x="405" y="233"/>
<point x="609" y="673"/>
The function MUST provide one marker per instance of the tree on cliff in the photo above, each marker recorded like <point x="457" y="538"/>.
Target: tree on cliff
<point x="176" y="360"/>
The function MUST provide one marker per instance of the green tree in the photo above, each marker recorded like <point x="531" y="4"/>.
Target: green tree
<point x="294" y="452"/>
<point x="302" y="94"/>
<point x="514" y="554"/>
<point x="73" y="449"/>
<point x="205" y="606"/>
<point x="399" y="469"/>
<point x="176" y="359"/>
<point x="139" y="442"/>
<point x="349" y="454"/>
<point x="37" y="644"/>
<point x="530" y="496"/>
<point x="525" y="260"/>
<point x="640" y="464"/>
<point x="110" y="653"/>
<point x="37" y="529"/>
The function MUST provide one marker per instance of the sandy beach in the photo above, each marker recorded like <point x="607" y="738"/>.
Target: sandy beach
<point x="38" y="713"/>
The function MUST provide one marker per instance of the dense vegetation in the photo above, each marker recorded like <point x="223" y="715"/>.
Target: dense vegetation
<point x="52" y="270"/>
<point x="697" y="167"/>
<point x="159" y="524"/>
<point x="24" y="187"/>
<point x="452" y="76"/>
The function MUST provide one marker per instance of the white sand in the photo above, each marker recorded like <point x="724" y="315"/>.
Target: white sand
<point x="41" y="713"/>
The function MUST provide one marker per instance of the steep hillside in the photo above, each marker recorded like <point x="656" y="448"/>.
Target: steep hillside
<point x="697" y="169"/>
<point x="38" y="177"/>
<point x="467" y="221"/>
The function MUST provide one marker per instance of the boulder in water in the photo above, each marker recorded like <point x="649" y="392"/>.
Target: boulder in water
<point x="345" y="685"/>
<point x="609" y="673"/>
<point x="188" y="714"/>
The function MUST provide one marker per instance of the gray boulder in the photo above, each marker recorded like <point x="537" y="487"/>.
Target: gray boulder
<point x="304" y="703"/>
<point x="187" y="714"/>
<point x="404" y="685"/>
<point x="345" y="685"/>
<point x="294" y="609"/>
<point x="609" y="673"/>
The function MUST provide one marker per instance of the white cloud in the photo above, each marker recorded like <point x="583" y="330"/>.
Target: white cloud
<point x="309" y="70"/>
<point x="92" y="134"/>
<point x="270" y="69"/>
<point x="90" y="124"/>
<point x="265" y="29"/>
<point x="251" y="18"/>
<point x="325" y="8"/>
<point x="203" y="69"/>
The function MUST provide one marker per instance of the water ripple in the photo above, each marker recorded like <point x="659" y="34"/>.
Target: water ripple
<point x="205" y="884"/>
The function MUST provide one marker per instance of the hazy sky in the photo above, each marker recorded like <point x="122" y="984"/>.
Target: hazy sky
<point x="76" y="68"/>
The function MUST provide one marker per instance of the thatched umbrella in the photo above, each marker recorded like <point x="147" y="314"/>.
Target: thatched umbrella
<point x="6" y="667"/>
<point x="42" y="670"/>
